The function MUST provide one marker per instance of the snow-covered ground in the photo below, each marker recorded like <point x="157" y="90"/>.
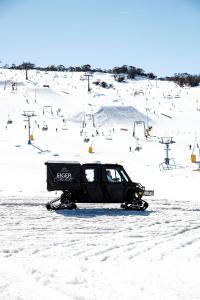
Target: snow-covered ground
<point x="98" y="251"/>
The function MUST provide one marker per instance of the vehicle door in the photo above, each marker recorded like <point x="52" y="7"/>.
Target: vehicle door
<point x="92" y="184"/>
<point x="115" y="183"/>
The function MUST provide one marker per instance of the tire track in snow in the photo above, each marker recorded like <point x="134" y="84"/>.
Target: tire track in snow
<point x="31" y="235"/>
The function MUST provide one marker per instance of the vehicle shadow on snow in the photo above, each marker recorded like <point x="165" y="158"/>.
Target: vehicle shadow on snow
<point x="97" y="212"/>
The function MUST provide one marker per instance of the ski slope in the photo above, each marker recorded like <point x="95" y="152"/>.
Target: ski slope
<point x="98" y="251"/>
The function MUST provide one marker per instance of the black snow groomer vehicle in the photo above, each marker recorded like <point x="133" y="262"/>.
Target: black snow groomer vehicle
<point x="93" y="183"/>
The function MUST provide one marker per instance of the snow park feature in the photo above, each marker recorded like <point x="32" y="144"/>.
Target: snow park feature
<point x="99" y="250"/>
<point x="89" y="183"/>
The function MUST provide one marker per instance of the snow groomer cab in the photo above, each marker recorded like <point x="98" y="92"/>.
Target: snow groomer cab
<point x="93" y="183"/>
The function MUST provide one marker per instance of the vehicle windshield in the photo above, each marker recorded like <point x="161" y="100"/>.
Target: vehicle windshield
<point x="125" y="177"/>
<point x="116" y="175"/>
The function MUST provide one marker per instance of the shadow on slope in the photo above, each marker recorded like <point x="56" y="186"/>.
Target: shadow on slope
<point x="98" y="212"/>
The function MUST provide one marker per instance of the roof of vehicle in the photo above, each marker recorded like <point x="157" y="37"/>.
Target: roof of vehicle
<point x="61" y="162"/>
<point x="85" y="164"/>
<point x="100" y="164"/>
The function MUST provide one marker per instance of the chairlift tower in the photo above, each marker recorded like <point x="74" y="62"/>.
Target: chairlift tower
<point x="84" y="122"/>
<point x="29" y="114"/>
<point x="93" y="122"/>
<point x="168" y="163"/>
<point x="35" y="84"/>
<point x="88" y="78"/>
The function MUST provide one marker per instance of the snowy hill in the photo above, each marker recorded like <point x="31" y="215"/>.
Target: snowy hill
<point x="108" y="116"/>
<point x="111" y="254"/>
<point x="62" y="103"/>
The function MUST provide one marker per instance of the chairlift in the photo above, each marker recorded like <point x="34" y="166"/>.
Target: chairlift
<point x="45" y="127"/>
<point x="169" y="96"/>
<point x="64" y="126"/>
<point x="9" y="121"/>
<point x="141" y="92"/>
<point x="109" y="138"/>
<point x="86" y="140"/>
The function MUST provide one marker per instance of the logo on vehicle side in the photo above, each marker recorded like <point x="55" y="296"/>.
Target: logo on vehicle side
<point x="63" y="175"/>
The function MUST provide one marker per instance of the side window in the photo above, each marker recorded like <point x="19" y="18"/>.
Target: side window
<point x="112" y="175"/>
<point x="89" y="174"/>
<point x="92" y="174"/>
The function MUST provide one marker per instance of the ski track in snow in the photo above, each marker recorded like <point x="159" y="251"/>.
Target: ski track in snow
<point x="90" y="249"/>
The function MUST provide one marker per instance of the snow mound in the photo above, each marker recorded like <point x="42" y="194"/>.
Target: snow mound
<point x="113" y="115"/>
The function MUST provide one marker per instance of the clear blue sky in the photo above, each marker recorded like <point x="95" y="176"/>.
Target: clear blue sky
<point x="159" y="36"/>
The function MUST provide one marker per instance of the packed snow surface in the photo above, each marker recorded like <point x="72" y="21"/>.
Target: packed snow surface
<point x="98" y="251"/>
